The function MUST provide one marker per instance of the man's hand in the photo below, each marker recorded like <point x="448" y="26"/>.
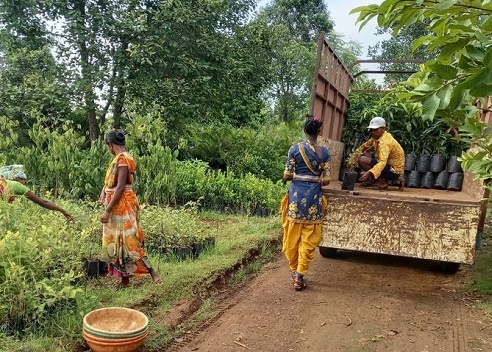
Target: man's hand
<point x="365" y="176"/>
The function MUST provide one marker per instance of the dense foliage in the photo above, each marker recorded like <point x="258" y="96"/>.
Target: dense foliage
<point x="57" y="162"/>
<point x="404" y="121"/>
<point x="45" y="287"/>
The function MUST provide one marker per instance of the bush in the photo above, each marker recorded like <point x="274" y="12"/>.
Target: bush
<point x="59" y="162"/>
<point x="37" y="267"/>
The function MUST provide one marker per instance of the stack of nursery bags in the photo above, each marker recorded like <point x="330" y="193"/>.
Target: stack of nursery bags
<point x="433" y="171"/>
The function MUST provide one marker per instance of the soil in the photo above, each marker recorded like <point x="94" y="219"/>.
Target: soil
<point x="356" y="302"/>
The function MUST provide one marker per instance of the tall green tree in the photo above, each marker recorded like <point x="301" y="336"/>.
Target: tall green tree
<point x="88" y="37"/>
<point x="294" y="27"/>
<point x="30" y="88"/>
<point x="204" y="63"/>
<point x="193" y="60"/>
<point x="400" y="48"/>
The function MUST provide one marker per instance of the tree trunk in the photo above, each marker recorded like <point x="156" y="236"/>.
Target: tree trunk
<point x="120" y="87"/>
<point x="87" y="76"/>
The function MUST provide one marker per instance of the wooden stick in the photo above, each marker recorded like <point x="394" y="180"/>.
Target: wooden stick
<point x="242" y="345"/>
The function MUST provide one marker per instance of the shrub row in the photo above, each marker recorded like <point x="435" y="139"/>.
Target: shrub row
<point x="59" y="161"/>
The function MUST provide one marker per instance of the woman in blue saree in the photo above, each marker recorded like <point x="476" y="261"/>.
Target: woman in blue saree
<point x="308" y="167"/>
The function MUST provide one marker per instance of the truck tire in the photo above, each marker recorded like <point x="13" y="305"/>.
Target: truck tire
<point x="450" y="268"/>
<point x="328" y="252"/>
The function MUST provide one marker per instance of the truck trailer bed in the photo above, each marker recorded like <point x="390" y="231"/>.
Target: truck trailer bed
<point x="421" y="223"/>
<point x="412" y="194"/>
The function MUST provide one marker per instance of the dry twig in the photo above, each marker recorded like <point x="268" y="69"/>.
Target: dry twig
<point x="349" y="320"/>
<point x="242" y="345"/>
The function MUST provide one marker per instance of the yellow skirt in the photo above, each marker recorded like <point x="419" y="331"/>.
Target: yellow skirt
<point x="300" y="240"/>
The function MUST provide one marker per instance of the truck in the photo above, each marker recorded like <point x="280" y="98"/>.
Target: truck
<point x="430" y="224"/>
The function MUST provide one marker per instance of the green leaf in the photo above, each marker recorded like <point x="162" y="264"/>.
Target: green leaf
<point x="447" y="72"/>
<point x="474" y="53"/>
<point x="487" y="24"/>
<point x="470" y="129"/>
<point x="481" y="90"/>
<point x="440" y="41"/>
<point x="444" y="96"/>
<point x="445" y="4"/>
<point x="424" y="40"/>
<point x="448" y="51"/>
<point x="424" y="88"/>
<point x="429" y="107"/>
<point x="461" y="28"/>
<point x="487" y="60"/>
<point x="482" y="77"/>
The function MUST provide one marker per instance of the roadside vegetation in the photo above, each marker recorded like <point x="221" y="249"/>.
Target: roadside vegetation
<point x="46" y="290"/>
<point x="481" y="283"/>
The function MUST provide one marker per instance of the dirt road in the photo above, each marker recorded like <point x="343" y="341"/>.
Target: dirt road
<point x="357" y="302"/>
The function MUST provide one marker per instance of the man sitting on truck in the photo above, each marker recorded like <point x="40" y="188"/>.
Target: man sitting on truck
<point x="381" y="158"/>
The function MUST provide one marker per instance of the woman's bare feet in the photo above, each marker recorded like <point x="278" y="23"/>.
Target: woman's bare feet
<point x="157" y="280"/>
<point x="125" y="281"/>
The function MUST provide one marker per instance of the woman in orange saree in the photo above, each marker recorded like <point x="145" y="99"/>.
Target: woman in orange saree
<point x="122" y="232"/>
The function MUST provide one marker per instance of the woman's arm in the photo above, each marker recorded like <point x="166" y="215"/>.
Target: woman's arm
<point x="118" y="192"/>
<point x="290" y="166"/>
<point x="47" y="204"/>
<point x="325" y="177"/>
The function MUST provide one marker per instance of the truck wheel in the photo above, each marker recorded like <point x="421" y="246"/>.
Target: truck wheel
<point x="328" y="252"/>
<point x="450" y="268"/>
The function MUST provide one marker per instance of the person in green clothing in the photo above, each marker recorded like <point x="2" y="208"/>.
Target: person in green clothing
<point x="13" y="184"/>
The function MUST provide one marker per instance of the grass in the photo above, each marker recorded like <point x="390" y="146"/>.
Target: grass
<point x="481" y="283"/>
<point x="482" y="270"/>
<point x="243" y="245"/>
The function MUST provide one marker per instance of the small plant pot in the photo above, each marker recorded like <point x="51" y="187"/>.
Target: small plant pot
<point x="103" y="267"/>
<point x="197" y="249"/>
<point x="478" y="241"/>
<point x="414" y="179"/>
<point x="349" y="181"/>
<point x="442" y="180"/>
<point x="427" y="180"/>
<point x="454" y="165"/>
<point x="455" y="181"/>
<point x="162" y="250"/>
<point x="341" y="173"/>
<point x="437" y="163"/>
<point x="410" y="162"/>
<point x="152" y="249"/>
<point x="422" y="163"/>
<point x="91" y="268"/>
<point x="407" y="177"/>
<point x="181" y="253"/>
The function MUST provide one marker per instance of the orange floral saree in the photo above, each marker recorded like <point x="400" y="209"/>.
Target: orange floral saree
<point x="123" y="235"/>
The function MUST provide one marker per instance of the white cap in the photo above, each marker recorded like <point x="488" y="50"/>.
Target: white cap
<point x="376" y="123"/>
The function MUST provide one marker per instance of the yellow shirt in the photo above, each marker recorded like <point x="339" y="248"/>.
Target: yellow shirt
<point x="387" y="150"/>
